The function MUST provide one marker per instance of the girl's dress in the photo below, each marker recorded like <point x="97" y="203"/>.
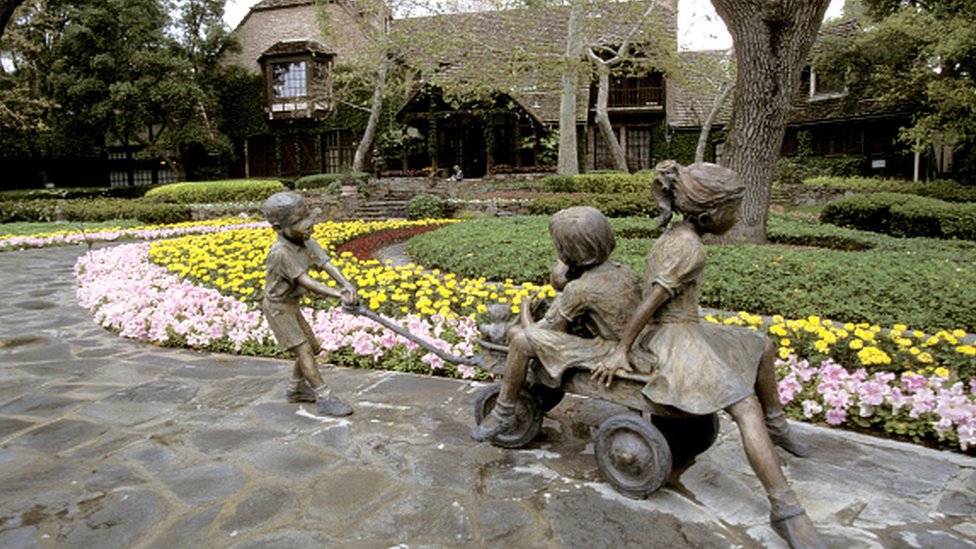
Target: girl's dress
<point x="696" y="367"/>
<point x="600" y="302"/>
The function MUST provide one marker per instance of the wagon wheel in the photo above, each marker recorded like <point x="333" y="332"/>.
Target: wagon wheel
<point x="548" y="397"/>
<point x="528" y="416"/>
<point x="633" y="455"/>
<point x="687" y="436"/>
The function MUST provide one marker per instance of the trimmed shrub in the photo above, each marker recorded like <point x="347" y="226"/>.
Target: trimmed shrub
<point x="329" y="181"/>
<point x="600" y="183"/>
<point x="612" y="205"/>
<point x="425" y="206"/>
<point x="942" y="189"/>
<point x="233" y="190"/>
<point x="70" y="193"/>
<point x="903" y="215"/>
<point x="794" y="170"/>
<point x="95" y="209"/>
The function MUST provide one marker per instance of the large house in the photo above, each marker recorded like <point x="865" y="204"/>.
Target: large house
<point x="484" y="92"/>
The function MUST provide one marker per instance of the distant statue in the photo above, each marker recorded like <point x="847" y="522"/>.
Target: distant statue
<point x="701" y="368"/>
<point x="286" y="281"/>
<point x="456" y="174"/>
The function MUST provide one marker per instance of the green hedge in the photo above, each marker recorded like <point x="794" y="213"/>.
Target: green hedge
<point x="425" y="206"/>
<point x="94" y="209"/>
<point x="793" y="170"/>
<point x="943" y="189"/>
<point x="233" y="190"/>
<point x="69" y="193"/>
<point x="903" y="215"/>
<point x="924" y="283"/>
<point x="600" y="183"/>
<point x="329" y="181"/>
<point x="612" y="205"/>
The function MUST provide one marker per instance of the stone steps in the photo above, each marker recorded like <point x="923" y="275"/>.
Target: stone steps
<point x="380" y="209"/>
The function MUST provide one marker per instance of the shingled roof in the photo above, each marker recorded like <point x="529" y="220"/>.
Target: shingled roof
<point x="691" y="98"/>
<point x="271" y="4"/>
<point x="462" y="48"/>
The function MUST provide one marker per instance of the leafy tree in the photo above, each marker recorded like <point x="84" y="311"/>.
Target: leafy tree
<point x="7" y="8"/>
<point x="919" y="57"/>
<point x="114" y="71"/>
<point x="636" y="51"/>
<point x="772" y="41"/>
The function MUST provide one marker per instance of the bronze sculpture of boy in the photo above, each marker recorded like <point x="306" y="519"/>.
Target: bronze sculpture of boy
<point x="287" y="279"/>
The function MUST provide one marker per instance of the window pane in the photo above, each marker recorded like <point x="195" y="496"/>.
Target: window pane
<point x="288" y="79"/>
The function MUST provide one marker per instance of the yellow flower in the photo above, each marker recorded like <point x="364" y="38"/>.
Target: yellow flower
<point x="942" y="371"/>
<point x="856" y="344"/>
<point x="925" y="358"/>
<point x="966" y="350"/>
<point x="872" y="355"/>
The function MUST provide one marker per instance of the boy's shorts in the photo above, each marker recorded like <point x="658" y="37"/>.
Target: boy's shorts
<point x="288" y="324"/>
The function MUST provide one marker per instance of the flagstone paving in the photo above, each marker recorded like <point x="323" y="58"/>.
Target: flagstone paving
<point x="106" y="442"/>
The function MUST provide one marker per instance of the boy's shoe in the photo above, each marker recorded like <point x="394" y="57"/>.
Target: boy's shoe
<point x="332" y="406"/>
<point x="303" y="393"/>
<point x="499" y="421"/>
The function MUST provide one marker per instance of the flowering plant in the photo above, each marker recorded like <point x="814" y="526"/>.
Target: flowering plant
<point x="149" y="232"/>
<point x="900" y="381"/>
<point x="916" y="405"/>
<point x="130" y="295"/>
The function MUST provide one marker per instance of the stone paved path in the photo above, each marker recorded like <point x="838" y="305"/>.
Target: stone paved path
<point x="108" y="443"/>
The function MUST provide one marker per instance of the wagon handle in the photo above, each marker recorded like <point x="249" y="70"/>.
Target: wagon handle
<point x="389" y="324"/>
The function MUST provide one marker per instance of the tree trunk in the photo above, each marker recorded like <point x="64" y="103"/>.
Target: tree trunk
<point x="365" y="147"/>
<point x="603" y="118"/>
<point x="709" y="120"/>
<point x="772" y="41"/>
<point x="568" y="163"/>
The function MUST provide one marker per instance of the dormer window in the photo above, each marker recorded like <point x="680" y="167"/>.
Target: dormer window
<point x="821" y="85"/>
<point x="299" y="79"/>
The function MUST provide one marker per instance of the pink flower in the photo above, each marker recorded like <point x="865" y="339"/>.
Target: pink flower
<point x="811" y="408"/>
<point x="836" y="416"/>
<point x="873" y="393"/>
<point x="788" y="387"/>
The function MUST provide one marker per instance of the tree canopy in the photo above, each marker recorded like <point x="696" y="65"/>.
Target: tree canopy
<point x="84" y="75"/>
<point x="921" y="57"/>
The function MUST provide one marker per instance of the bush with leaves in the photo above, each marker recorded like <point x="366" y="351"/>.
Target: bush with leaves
<point x="425" y="206"/>
<point x="201" y="192"/>
<point x="600" y="183"/>
<point x="794" y="170"/>
<point x="903" y="215"/>
<point x="329" y="181"/>
<point x="612" y="205"/>
<point x="942" y="189"/>
<point x="94" y="209"/>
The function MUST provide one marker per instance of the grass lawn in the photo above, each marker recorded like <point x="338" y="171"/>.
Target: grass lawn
<point x="809" y="268"/>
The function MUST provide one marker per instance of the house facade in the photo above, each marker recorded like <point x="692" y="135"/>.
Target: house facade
<point x="483" y="92"/>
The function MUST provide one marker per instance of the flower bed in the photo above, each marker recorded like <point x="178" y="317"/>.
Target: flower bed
<point x="362" y="248"/>
<point x="149" y="232"/>
<point x="136" y="298"/>
<point x="899" y="381"/>
<point x="201" y="291"/>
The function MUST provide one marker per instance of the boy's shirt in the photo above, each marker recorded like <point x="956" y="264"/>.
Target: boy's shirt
<point x="286" y="262"/>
